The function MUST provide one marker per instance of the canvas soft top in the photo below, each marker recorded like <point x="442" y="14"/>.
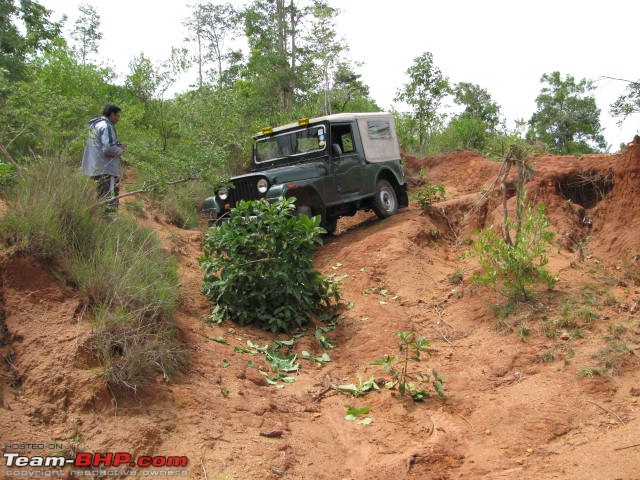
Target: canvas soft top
<point x="377" y="132"/>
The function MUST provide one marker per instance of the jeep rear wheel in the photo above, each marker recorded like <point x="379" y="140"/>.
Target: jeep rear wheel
<point x="385" y="203"/>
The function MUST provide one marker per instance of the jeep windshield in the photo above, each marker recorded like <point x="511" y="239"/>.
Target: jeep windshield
<point x="290" y="144"/>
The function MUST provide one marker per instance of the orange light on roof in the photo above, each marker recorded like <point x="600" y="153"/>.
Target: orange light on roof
<point x="303" y="122"/>
<point x="267" y="130"/>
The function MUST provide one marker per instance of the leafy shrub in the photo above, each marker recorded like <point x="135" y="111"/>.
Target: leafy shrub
<point x="514" y="268"/>
<point x="410" y="348"/>
<point x="258" y="267"/>
<point x="7" y="173"/>
<point x="429" y="194"/>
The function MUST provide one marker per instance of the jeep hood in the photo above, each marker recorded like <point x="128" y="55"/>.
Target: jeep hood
<point x="289" y="173"/>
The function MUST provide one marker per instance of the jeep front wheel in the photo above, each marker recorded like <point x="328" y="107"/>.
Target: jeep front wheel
<point x="329" y="224"/>
<point x="385" y="203"/>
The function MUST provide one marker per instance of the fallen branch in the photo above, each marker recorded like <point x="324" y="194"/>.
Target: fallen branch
<point x="142" y="190"/>
<point x="608" y="411"/>
<point x="628" y="446"/>
<point x="7" y="156"/>
<point x="468" y="422"/>
<point x="204" y="470"/>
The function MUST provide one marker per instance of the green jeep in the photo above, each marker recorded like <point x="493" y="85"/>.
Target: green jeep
<point x="333" y="165"/>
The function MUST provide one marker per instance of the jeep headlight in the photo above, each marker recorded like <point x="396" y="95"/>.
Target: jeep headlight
<point x="223" y="193"/>
<point x="263" y="185"/>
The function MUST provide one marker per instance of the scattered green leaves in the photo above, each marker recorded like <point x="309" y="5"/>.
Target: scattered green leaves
<point x="357" y="390"/>
<point x="322" y="359"/>
<point x="354" y="412"/>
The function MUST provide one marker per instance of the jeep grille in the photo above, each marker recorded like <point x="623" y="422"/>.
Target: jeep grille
<point x="244" y="189"/>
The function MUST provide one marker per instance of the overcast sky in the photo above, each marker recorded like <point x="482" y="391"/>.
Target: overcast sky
<point x="505" y="46"/>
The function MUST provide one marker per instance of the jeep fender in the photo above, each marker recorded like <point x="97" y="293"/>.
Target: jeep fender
<point x="211" y="204"/>
<point x="303" y="191"/>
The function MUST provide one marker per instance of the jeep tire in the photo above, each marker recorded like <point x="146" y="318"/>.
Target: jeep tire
<point x="385" y="202"/>
<point x="304" y="210"/>
<point x="330" y="224"/>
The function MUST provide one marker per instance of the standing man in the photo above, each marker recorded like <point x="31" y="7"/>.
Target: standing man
<point x="102" y="154"/>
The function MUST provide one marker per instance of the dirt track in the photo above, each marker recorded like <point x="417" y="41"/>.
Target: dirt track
<point x="518" y="403"/>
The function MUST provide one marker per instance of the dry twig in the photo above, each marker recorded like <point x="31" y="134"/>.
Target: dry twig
<point x="608" y="411"/>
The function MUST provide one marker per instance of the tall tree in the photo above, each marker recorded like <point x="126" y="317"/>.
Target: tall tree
<point x="477" y="103"/>
<point x="57" y="78"/>
<point x="328" y="48"/>
<point x="87" y="32"/>
<point x="348" y="91"/>
<point x="211" y="26"/>
<point x="567" y="119"/>
<point x="424" y="94"/>
<point x="478" y="120"/>
<point x="25" y="31"/>
<point x="149" y="83"/>
<point x="273" y="32"/>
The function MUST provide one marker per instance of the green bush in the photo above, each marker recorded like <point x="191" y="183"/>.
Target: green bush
<point x="258" y="267"/>
<point x="514" y="268"/>
<point x="428" y="194"/>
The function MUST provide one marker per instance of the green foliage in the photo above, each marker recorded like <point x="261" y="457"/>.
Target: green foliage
<point x="87" y="32"/>
<point x="281" y="364"/>
<point x="130" y="272"/>
<point x="513" y="268"/>
<point x="567" y="119"/>
<point x="127" y="282"/>
<point x="25" y="30"/>
<point x="463" y="133"/>
<point x="478" y="104"/>
<point x="428" y="194"/>
<point x="7" y="173"/>
<point x="48" y="114"/>
<point x="361" y="389"/>
<point x="48" y="215"/>
<point x="355" y="412"/>
<point x="410" y="347"/>
<point x="472" y="128"/>
<point x="628" y="103"/>
<point x="258" y="267"/>
<point x="181" y="203"/>
<point x="424" y="93"/>
<point x="498" y="145"/>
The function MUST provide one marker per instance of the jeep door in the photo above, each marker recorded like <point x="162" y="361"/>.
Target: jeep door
<point x="347" y="160"/>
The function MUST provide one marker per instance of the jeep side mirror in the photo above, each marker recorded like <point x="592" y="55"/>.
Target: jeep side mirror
<point x="336" y="150"/>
